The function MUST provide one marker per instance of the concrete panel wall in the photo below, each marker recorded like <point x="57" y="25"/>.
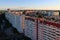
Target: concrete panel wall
<point x="15" y="20"/>
<point x="48" y="32"/>
<point x="45" y="31"/>
<point x="30" y="29"/>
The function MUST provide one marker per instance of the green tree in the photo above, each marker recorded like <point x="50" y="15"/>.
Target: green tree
<point x="39" y="15"/>
<point x="24" y="11"/>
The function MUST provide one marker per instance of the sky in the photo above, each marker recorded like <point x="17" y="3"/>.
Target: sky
<point x="30" y="4"/>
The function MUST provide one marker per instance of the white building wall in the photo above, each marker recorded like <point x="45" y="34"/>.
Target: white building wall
<point x="55" y="13"/>
<point x="15" y="20"/>
<point x="48" y="32"/>
<point x="19" y="23"/>
<point x="30" y="29"/>
<point x="45" y="32"/>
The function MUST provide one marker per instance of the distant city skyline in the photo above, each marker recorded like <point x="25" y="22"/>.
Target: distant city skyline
<point x="30" y="4"/>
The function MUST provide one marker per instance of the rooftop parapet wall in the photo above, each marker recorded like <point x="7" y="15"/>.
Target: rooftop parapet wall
<point x="51" y="23"/>
<point x="30" y="18"/>
<point x="48" y="22"/>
